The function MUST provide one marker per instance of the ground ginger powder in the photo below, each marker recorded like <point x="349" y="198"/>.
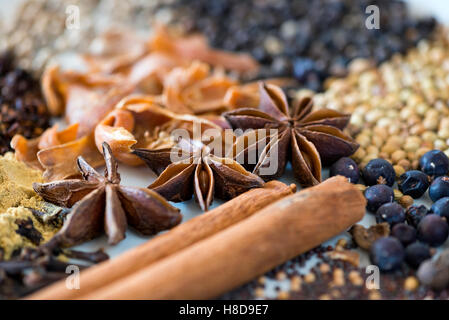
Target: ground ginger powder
<point x="16" y="182"/>
<point x="16" y="196"/>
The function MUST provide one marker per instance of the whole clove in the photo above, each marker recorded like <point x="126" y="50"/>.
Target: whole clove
<point x="414" y="214"/>
<point x="37" y="279"/>
<point x="94" y="257"/>
<point x="55" y="218"/>
<point x="13" y="267"/>
<point x="33" y="268"/>
<point x="26" y="229"/>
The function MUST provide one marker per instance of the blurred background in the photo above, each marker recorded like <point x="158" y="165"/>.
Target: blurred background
<point x="308" y="40"/>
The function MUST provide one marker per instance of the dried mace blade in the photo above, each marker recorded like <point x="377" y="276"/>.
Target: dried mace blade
<point x="198" y="171"/>
<point x="305" y="137"/>
<point x="101" y="203"/>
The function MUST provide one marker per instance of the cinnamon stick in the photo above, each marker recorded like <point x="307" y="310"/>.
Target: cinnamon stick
<point x="251" y="247"/>
<point x="166" y="244"/>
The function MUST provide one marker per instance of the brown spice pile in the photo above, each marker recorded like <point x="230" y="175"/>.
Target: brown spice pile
<point x="400" y="109"/>
<point x="22" y="109"/>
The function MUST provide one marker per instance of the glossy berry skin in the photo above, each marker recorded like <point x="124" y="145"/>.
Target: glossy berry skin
<point x="441" y="208"/>
<point x="387" y="253"/>
<point x="439" y="188"/>
<point x="379" y="171"/>
<point x="434" y="163"/>
<point x="345" y="167"/>
<point x="390" y="212"/>
<point x="378" y="195"/>
<point x="414" y="183"/>
<point x="417" y="253"/>
<point x="414" y="215"/>
<point x="433" y="230"/>
<point x="404" y="233"/>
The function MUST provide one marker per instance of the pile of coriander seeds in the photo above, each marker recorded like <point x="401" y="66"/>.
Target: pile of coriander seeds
<point x="399" y="109"/>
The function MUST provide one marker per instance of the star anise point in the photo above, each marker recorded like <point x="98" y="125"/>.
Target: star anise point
<point x="101" y="203"/>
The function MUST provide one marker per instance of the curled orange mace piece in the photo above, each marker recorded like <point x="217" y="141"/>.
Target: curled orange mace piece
<point x="140" y="122"/>
<point x="134" y="94"/>
<point x="56" y="151"/>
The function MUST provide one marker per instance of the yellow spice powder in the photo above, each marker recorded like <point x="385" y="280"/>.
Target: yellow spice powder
<point x="16" y="195"/>
<point x="16" y="183"/>
<point x="10" y="240"/>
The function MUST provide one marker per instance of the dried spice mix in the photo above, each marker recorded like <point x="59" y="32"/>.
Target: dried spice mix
<point x="135" y="92"/>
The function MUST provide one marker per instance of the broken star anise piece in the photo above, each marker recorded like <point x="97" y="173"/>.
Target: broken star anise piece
<point x="307" y="138"/>
<point x="198" y="171"/>
<point x="101" y="203"/>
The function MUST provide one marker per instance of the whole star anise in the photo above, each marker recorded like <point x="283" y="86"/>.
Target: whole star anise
<point x="307" y="138"/>
<point x="197" y="171"/>
<point x="101" y="203"/>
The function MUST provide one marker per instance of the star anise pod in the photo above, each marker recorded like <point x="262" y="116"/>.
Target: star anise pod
<point x="307" y="138"/>
<point x="197" y="171"/>
<point x="101" y="203"/>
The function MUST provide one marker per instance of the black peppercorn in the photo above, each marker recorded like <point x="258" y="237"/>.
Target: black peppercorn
<point x="312" y="40"/>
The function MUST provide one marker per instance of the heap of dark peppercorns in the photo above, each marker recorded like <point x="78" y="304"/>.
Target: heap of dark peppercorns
<point x="22" y="109"/>
<point x="309" y="40"/>
<point x="414" y="229"/>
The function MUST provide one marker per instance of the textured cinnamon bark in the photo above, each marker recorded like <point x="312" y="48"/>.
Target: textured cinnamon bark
<point x="175" y="240"/>
<point x="252" y="247"/>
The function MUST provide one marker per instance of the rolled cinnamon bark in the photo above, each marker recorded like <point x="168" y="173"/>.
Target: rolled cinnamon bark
<point x="175" y="240"/>
<point x="249" y="248"/>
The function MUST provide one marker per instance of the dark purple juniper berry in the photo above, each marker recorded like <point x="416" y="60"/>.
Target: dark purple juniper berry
<point x="434" y="163"/>
<point x="439" y="188"/>
<point x="433" y="230"/>
<point x="417" y="253"/>
<point x="379" y="171"/>
<point x="404" y="233"/>
<point x="378" y="195"/>
<point x="387" y="253"/>
<point x="414" y="214"/>
<point x="391" y="213"/>
<point x="414" y="183"/>
<point x="345" y="167"/>
<point x="441" y="207"/>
